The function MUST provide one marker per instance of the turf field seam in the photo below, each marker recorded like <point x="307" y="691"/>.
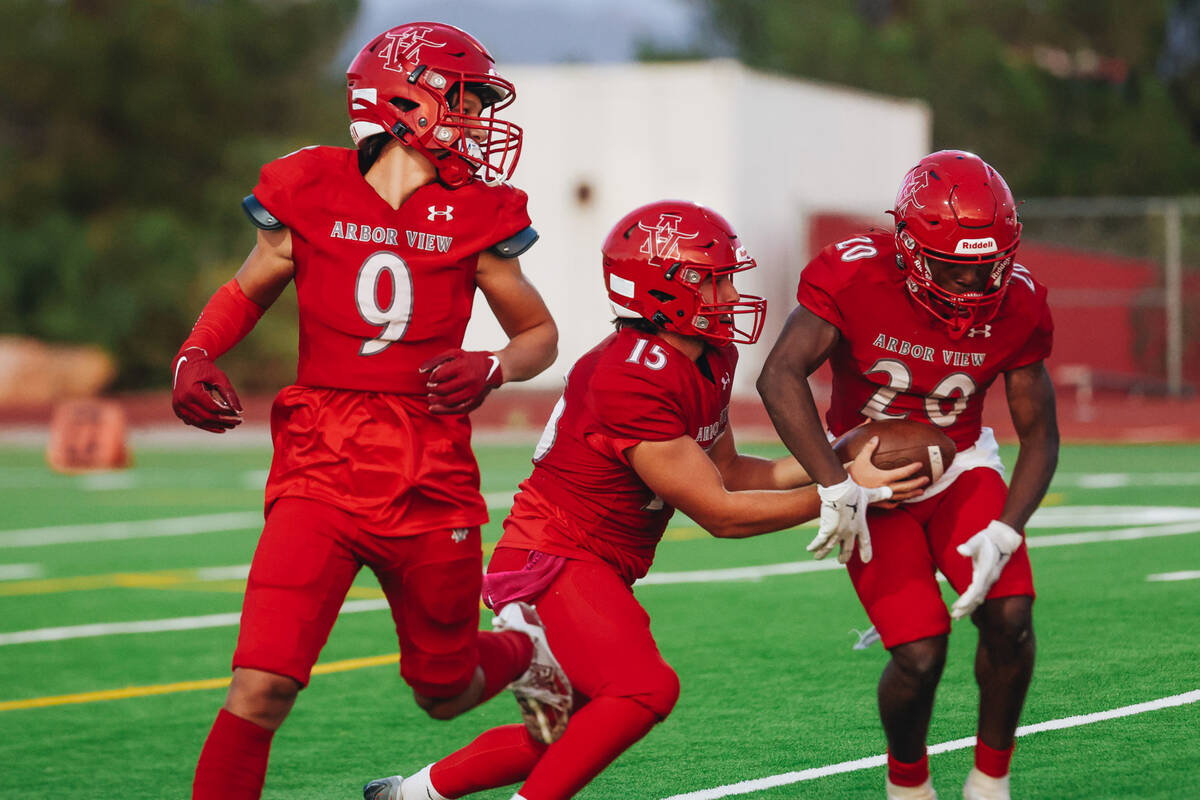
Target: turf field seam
<point x="870" y="762"/>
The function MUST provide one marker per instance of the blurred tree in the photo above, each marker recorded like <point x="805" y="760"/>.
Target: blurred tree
<point x="129" y="132"/>
<point x="1064" y="96"/>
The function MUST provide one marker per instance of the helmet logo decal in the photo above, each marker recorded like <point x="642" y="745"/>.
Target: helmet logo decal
<point x="663" y="242"/>
<point x="405" y="46"/>
<point x="908" y="192"/>
<point x="968" y="246"/>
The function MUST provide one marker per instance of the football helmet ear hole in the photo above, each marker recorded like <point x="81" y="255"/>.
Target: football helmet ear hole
<point x="661" y="296"/>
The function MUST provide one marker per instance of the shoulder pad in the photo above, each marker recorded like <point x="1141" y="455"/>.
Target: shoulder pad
<point x="259" y="215"/>
<point x="514" y="245"/>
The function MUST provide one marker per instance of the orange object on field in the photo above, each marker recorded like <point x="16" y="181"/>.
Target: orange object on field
<point x="87" y="435"/>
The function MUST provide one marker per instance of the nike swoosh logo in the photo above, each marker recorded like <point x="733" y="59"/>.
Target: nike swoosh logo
<point x="495" y="366"/>
<point x="178" y="364"/>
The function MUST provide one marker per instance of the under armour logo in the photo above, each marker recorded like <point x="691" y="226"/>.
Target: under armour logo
<point x="444" y="213"/>
<point x="724" y="381"/>
<point x="663" y="242"/>
<point x="405" y="46"/>
<point x="908" y="192"/>
<point x="459" y="535"/>
<point x="981" y="330"/>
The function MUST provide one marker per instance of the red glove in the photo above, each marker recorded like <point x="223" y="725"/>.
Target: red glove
<point x="459" y="380"/>
<point x="201" y="394"/>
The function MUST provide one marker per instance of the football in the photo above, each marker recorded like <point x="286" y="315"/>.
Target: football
<point x="901" y="441"/>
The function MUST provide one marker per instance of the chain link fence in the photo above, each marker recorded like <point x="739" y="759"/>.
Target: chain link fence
<point x="1124" y="279"/>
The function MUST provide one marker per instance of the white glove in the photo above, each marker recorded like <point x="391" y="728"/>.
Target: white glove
<point x="844" y="519"/>
<point x="989" y="550"/>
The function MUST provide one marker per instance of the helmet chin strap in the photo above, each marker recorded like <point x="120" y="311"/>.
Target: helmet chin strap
<point x="452" y="168"/>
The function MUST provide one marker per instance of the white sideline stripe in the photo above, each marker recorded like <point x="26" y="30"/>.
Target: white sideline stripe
<point x="1187" y="575"/>
<point x="1119" y="480"/>
<point x="170" y="526"/>
<point x="659" y="578"/>
<point x="17" y="572"/>
<point x="1122" y="534"/>
<point x="141" y="529"/>
<point x="1110" y="516"/>
<point x="155" y="625"/>
<point x="787" y="778"/>
<point x="499" y="500"/>
<point x="1056" y="517"/>
<point x="738" y="573"/>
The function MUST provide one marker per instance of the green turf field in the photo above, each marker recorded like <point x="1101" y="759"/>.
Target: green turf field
<point x="114" y="650"/>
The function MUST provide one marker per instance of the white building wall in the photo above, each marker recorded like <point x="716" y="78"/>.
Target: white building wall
<point x="761" y="150"/>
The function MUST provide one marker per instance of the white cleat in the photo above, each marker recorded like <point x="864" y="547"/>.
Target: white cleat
<point x="384" y="789"/>
<point x="981" y="786"/>
<point x="543" y="691"/>
<point x="923" y="792"/>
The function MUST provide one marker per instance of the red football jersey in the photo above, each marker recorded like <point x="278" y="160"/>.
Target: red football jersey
<point x="381" y="290"/>
<point x="896" y="360"/>
<point x="583" y="499"/>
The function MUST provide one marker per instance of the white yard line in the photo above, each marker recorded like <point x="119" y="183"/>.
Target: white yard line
<point x="1110" y="516"/>
<point x="155" y="625"/>
<point x="1187" y="575"/>
<point x="654" y="579"/>
<point x="152" y="528"/>
<point x="140" y="529"/>
<point x="870" y="762"/>
<point x="1119" y="480"/>
<point x="20" y="572"/>
<point x="1188" y="518"/>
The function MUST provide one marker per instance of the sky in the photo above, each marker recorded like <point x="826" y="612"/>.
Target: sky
<point x="543" y="31"/>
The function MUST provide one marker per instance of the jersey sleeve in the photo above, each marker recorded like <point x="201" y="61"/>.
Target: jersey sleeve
<point x="630" y="408"/>
<point x="512" y="218"/>
<point x="819" y="287"/>
<point x="1041" y="339"/>
<point x="274" y="190"/>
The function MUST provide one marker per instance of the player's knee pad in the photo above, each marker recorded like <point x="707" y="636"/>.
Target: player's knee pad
<point x="444" y="593"/>
<point x="439" y="677"/>
<point x="657" y="689"/>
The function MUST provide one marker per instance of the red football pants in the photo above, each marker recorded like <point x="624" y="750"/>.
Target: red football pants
<point x="898" y="587"/>
<point x="601" y="637"/>
<point x="306" y="559"/>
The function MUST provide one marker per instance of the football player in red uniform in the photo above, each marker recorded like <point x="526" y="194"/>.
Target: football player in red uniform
<point x="916" y="324"/>
<point x="372" y="462"/>
<point x="641" y="429"/>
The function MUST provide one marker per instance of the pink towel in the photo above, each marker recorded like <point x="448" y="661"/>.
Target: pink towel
<point x="502" y="588"/>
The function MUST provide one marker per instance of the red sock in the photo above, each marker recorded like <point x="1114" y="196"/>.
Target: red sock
<point x="498" y="757"/>
<point x="903" y="774"/>
<point x="503" y="656"/>
<point x="991" y="761"/>
<point x="596" y="735"/>
<point x="233" y="762"/>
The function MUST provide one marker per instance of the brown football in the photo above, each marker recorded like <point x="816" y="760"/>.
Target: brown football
<point x="901" y="441"/>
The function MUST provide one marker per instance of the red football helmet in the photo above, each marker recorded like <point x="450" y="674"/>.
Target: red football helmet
<point x="409" y="82"/>
<point x="953" y="207"/>
<point x="657" y="258"/>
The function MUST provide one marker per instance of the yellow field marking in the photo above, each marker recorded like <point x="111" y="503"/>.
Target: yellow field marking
<point x="185" y="579"/>
<point x="184" y="686"/>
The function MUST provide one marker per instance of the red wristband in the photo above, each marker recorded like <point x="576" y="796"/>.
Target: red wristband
<point x="225" y="321"/>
